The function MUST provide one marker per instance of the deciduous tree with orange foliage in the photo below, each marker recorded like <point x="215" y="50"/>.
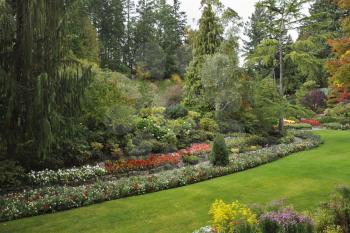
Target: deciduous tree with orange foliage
<point x="339" y="68"/>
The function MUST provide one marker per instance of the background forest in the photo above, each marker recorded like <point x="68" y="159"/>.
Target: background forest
<point x="84" y="81"/>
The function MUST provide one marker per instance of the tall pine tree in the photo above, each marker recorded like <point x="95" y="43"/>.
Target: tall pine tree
<point x="207" y="41"/>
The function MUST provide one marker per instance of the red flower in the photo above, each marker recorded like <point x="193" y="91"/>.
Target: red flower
<point x="311" y="122"/>
<point x="155" y="161"/>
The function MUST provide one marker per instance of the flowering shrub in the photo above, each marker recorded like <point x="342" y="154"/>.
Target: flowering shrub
<point x="289" y="122"/>
<point x="285" y="221"/>
<point x="310" y="122"/>
<point x="206" y="229"/>
<point x="235" y="217"/>
<point x="52" y="199"/>
<point x="49" y="177"/>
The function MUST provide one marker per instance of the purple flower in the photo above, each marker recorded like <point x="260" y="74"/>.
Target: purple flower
<point x="286" y="217"/>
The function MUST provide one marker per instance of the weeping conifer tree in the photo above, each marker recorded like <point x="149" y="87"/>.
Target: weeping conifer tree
<point x="41" y="84"/>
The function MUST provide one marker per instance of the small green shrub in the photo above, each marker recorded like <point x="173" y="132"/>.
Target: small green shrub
<point x="334" y="213"/>
<point x="299" y="126"/>
<point x="219" y="154"/>
<point x="333" y="125"/>
<point x="176" y="111"/>
<point x="249" y="148"/>
<point x="333" y="229"/>
<point x="208" y="124"/>
<point x="191" y="160"/>
<point x="288" y="138"/>
<point x="336" y="126"/>
<point x="10" y="174"/>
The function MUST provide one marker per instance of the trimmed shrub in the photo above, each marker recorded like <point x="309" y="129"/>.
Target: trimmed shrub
<point x="176" y="111"/>
<point x="191" y="160"/>
<point x="219" y="155"/>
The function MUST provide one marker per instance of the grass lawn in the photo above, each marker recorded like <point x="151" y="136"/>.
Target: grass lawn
<point x="305" y="179"/>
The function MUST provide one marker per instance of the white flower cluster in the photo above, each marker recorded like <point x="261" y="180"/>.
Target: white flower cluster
<point x="64" y="176"/>
<point x="206" y="229"/>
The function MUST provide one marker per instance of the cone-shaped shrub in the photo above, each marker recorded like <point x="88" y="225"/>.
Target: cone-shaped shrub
<point x="219" y="153"/>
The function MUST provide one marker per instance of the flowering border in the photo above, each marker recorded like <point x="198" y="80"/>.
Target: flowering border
<point x="57" y="198"/>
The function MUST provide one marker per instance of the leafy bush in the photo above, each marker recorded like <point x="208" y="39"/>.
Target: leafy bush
<point x="234" y="217"/>
<point x="315" y="100"/>
<point x="173" y="95"/>
<point x="333" y="229"/>
<point x="336" y="212"/>
<point x="333" y="125"/>
<point x="10" y="174"/>
<point x="184" y="130"/>
<point x="288" y="138"/>
<point x="176" y="111"/>
<point x="219" y="153"/>
<point x="208" y="124"/>
<point x="299" y="126"/>
<point x="191" y="159"/>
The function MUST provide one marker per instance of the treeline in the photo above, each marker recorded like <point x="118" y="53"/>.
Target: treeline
<point x="144" y="39"/>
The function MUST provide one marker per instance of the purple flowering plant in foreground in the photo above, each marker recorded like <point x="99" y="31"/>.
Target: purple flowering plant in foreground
<point x="285" y="221"/>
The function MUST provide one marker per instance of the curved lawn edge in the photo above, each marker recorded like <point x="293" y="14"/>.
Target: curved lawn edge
<point x="57" y="198"/>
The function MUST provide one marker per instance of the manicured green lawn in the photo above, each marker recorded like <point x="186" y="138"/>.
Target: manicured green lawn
<point x="304" y="178"/>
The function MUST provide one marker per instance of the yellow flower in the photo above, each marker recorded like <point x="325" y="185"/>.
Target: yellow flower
<point x="226" y="217"/>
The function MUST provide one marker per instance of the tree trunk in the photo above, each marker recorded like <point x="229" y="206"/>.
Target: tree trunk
<point x="281" y="122"/>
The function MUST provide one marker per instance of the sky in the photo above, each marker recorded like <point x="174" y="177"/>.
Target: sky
<point x="192" y="8"/>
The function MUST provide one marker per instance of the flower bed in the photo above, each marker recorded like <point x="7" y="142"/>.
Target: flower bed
<point x="52" y="199"/>
<point x="48" y="177"/>
<point x="82" y="174"/>
<point x="155" y="161"/>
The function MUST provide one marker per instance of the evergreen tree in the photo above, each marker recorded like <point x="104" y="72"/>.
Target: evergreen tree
<point x="322" y="24"/>
<point x="206" y="42"/>
<point x="219" y="155"/>
<point x="129" y="37"/>
<point x="171" y="26"/>
<point x="41" y="85"/>
<point x="108" y="17"/>
<point x="284" y="16"/>
<point x="255" y="30"/>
